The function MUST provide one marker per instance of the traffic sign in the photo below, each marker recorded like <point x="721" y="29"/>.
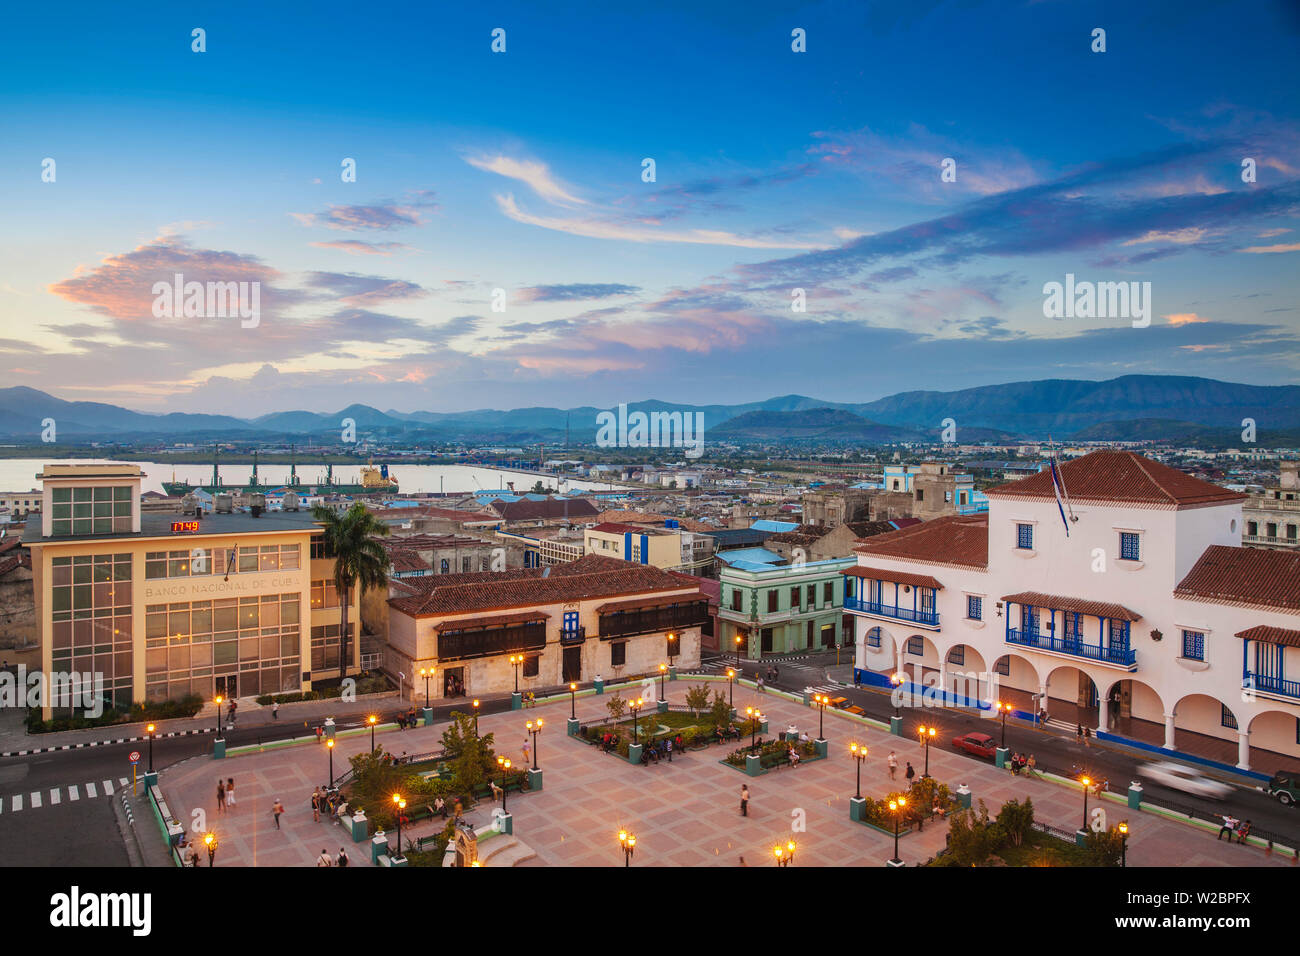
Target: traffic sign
<point x="135" y="756"/>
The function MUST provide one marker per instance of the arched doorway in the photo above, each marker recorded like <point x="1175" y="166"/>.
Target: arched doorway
<point x="1072" y="697"/>
<point x="966" y="677"/>
<point x="1132" y="708"/>
<point x="1269" y="745"/>
<point x="1018" y="683"/>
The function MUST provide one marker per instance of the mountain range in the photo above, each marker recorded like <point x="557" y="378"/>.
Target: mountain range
<point x="1132" y="407"/>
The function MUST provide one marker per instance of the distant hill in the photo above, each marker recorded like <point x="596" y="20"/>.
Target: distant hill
<point x="1133" y="407"/>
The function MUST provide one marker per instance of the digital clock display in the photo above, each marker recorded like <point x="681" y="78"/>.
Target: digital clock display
<point x="184" y="527"/>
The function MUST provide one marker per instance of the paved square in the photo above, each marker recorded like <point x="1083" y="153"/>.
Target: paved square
<point x="686" y="813"/>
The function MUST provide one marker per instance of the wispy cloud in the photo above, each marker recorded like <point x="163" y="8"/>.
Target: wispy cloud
<point x="536" y="175"/>
<point x="356" y="247"/>
<point x="574" y="291"/>
<point x="383" y="215"/>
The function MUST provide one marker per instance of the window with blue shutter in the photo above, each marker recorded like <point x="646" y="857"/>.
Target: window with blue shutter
<point x="1129" y="549"/>
<point x="916" y="646"/>
<point x="1193" y="645"/>
<point x="974" y="608"/>
<point x="1228" y="719"/>
<point x="1025" y="537"/>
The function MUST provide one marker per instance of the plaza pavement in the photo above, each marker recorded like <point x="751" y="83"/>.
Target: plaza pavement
<point x="683" y="814"/>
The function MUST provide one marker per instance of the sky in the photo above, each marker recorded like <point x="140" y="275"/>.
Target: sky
<point x="504" y="244"/>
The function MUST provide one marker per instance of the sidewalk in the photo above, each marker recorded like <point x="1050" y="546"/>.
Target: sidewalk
<point x="15" y="740"/>
<point x="683" y="814"/>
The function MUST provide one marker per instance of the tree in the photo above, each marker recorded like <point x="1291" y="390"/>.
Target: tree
<point x="359" y="559"/>
<point x="970" y="838"/>
<point x="720" y="712"/>
<point x="616" y="706"/>
<point x="1016" y="819"/>
<point x="472" y="758"/>
<point x="1104" y="847"/>
<point x="697" y="698"/>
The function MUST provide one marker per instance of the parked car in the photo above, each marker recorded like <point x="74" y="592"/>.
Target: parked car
<point x="1178" y="777"/>
<point x="1286" y="787"/>
<point x="981" y="745"/>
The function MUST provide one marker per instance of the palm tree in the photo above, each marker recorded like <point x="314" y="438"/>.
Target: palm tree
<point x="352" y="539"/>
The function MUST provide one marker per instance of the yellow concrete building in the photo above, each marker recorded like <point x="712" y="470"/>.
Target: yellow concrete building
<point x="657" y="547"/>
<point x="160" y="606"/>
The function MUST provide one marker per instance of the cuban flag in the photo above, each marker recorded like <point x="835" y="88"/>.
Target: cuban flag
<point x="1059" y="488"/>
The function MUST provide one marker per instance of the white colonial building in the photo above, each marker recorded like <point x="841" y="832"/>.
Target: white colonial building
<point x="1147" y="621"/>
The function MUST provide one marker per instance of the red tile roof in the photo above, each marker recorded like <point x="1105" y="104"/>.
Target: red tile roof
<point x="900" y="577"/>
<point x="524" y="509"/>
<point x="593" y="576"/>
<point x="1119" y="476"/>
<point x="1245" y="576"/>
<point x="494" y="620"/>
<point x="612" y="527"/>
<point x="1081" y="605"/>
<point x="961" y="540"/>
<point x="407" y="561"/>
<point x="1271" y="635"/>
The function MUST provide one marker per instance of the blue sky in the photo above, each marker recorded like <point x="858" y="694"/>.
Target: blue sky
<point x="522" y="171"/>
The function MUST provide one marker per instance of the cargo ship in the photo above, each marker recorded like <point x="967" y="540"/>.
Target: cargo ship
<point x="374" y="481"/>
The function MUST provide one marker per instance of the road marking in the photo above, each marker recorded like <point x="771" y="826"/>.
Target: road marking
<point x="18" y="802"/>
<point x="72" y="792"/>
<point x="91" y="791"/>
<point x="122" y="782"/>
<point x="54" y="796"/>
<point x="36" y="800"/>
<point x="108" y="787"/>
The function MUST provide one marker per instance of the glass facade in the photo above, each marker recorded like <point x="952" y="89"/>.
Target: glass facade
<point x="198" y="562"/>
<point x="91" y="621"/>
<point x="87" y="511"/>
<point x="192" y="646"/>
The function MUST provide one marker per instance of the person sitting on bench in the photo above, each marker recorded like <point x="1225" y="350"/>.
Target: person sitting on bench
<point x="496" y="790"/>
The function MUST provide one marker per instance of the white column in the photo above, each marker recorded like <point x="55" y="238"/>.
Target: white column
<point x="1169" y="731"/>
<point x="1042" y="696"/>
<point x="1243" y="750"/>
<point x="1102" y="718"/>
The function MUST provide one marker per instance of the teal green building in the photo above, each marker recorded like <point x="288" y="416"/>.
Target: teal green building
<point x="781" y="608"/>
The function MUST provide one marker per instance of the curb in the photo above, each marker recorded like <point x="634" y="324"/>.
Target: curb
<point x="101" y="743"/>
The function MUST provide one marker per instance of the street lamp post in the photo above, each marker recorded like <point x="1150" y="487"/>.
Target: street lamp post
<point x="663" y="669"/>
<point x="672" y="646"/>
<point x="210" y="841"/>
<point x="754" y="717"/>
<point x="217" y="700"/>
<point x="821" y="700"/>
<point x="329" y="745"/>
<point x="1087" y="782"/>
<point x="896" y="808"/>
<point x="1123" y="845"/>
<point x="400" y="804"/>
<point x="731" y="687"/>
<point x="927" y="735"/>
<point x="784" y="854"/>
<point x="1004" y="709"/>
<point x="475" y="706"/>
<point x="896" y="679"/>
<point x="534" y="728"/>
<point x="859" y="753"/>
<point x="426" y="673"/>
<point x="628" y="842"/>
<point x="504" y="764"/>
<point x="573" y="700"/>
<point x="635" y="707"/>
<point x="516" y="660"/>
<point x="372" y="720"/>
<point x="738" y="643"/>
<point x="150" y="730"/>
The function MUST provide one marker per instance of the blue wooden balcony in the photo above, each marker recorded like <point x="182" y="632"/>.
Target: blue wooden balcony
<point x="1269" y="684"/>
<point x="927" y="618"/>
<point x="1075" y="647"/>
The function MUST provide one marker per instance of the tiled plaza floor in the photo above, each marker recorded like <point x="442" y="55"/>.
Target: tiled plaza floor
<point x="684" y="814"/>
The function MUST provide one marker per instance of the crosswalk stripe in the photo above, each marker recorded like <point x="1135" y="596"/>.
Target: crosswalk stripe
<point x="91" y="791"/>
<point x="108" y="787"/>
<point x="18" y="801"/>
<point x="72" y="792"/>
<point x="121" y="782"/>
<point x="54" y="796"/>
<point x="36" y="799"/>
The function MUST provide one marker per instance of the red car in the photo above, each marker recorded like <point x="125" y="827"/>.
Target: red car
<point x="981" y="745"/>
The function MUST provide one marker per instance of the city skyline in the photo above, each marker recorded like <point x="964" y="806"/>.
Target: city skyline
<point x="775" y="170"/>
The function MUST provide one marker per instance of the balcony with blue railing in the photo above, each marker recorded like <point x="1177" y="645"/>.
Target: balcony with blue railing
<point x="1270" y="684"/>
<point x="880" y="609"/>
<point x="1074" y="646"/>
<point x="572" y="636"/>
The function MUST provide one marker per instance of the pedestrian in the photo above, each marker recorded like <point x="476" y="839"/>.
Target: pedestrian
<point x="315" y="804"/>
<point x="893" y="765"/>
<point x="320" y="731"/>
<point x="277" y="808"/>
<point x="194" y="856"/>
<point x="343" y="857"/>
<point x="275" y="710"/>
<point x="1078" y="733"/>
<point x="744" y="800"/>
<point x="776" y="673"/>
<point x="221" y="795"/>
<point x="230" y="791"/>
<point x="528" y="752"/>
<point x="742" y="862"/>
<point x="911" y="772"/>
<point x="1243" y="831"/>
<point x="668" y="745"/>
<point x="759" y="681"/>
<point x="1087" y="735"/>
<point x="1229" y="827"/>
<point x="324" y="859"/>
